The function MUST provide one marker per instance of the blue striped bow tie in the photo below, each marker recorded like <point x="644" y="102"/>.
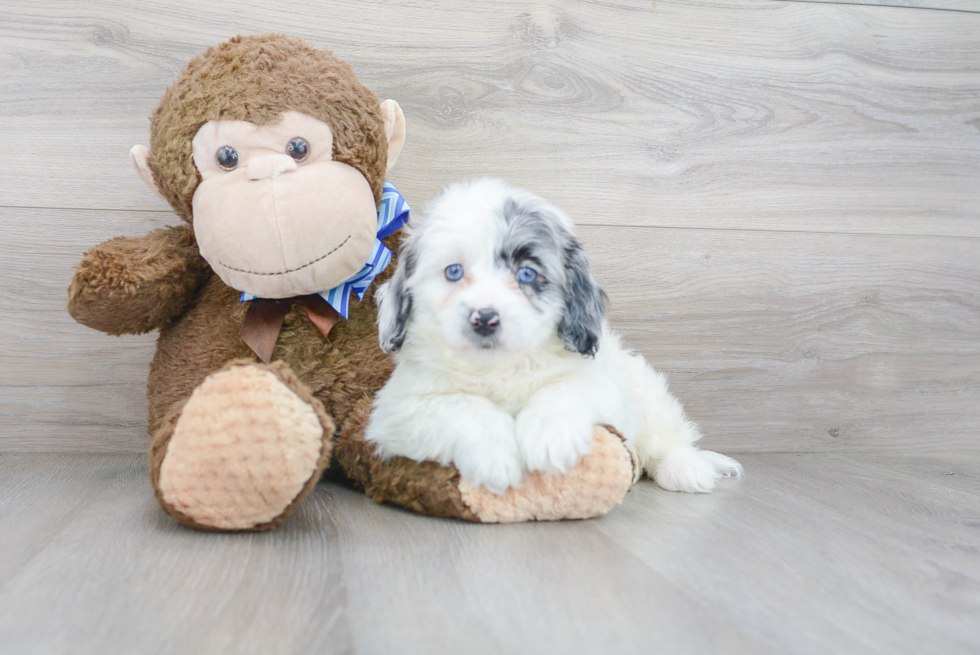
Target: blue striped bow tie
<point x="393" y="213"/>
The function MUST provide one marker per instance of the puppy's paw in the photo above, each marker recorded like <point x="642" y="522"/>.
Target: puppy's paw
<point x="725" y="466"/>
<point x="694" y="471"/>
<point x="488" y="456"/>
<point x="553" y="439"/>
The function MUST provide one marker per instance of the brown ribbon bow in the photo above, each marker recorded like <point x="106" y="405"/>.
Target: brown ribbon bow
<point x="263" y="321"/>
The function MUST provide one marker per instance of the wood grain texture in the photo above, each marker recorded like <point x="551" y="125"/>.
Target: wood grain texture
<point x="121" y="576"/>
<point x="843" y="549"/>
<point x="807" y="554"/>
<point x="947" y="5"/>
<point x="775" y="341"/>
<point x="781" y="198"/>
<point x="793" y="342"/>
<point x="63" y="386"/>
<point x="736" y="114"/>
<point x="960" y="471"/>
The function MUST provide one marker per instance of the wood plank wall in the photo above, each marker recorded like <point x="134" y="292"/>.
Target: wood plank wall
<point x="948" y="5"/>
<point x="782" y="198"/>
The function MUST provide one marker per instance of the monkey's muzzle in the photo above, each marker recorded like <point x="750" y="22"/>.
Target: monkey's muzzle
<point x="278" y="230"/>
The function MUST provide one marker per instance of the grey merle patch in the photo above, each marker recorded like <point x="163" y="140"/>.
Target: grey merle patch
<point x="537" y="237"/>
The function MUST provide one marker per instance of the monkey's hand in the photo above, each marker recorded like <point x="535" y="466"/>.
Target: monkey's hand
<point x="132" y="286"/>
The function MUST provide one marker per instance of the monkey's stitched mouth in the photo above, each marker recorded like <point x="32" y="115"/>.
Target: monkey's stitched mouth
<point x="291" y="270"/>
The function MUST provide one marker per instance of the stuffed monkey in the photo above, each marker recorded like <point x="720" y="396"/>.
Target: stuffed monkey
<point x="274" y="156"/>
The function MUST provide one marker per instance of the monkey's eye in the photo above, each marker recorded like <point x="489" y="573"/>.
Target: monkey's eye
<point x="454" y="272"/>
<point x="227" y="158"/>
<point x="298" y="148"/>
<point x="526" y="275"/>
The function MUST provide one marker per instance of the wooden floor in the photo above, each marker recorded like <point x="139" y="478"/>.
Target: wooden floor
<point x="821" y="553"/>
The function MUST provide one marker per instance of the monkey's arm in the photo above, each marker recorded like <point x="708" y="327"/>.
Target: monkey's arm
<point x="136" y="285"/>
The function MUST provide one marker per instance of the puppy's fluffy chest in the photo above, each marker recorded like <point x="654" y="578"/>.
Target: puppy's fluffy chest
<point x="508" y="382"/>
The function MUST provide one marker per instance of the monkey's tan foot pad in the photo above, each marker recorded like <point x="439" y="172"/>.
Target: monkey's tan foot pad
<point x="592" y="488"/>
<point x="244" y="450"/>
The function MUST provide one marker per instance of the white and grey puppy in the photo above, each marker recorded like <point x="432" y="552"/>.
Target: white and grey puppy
<point x="504" y="359"/>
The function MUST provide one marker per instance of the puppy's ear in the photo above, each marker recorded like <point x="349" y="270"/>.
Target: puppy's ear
<point x="585" y="302"/>
<point x="395" y="302"/>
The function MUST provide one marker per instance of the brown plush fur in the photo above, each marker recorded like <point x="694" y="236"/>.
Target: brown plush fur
<point x="133" y="286"/>
<point x="339" y="371"/>
<point x="256" y="79"/>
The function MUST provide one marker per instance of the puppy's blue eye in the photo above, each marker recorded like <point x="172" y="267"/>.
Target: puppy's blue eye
<point x="526" y="275"/>
<point x="454" y="272"/>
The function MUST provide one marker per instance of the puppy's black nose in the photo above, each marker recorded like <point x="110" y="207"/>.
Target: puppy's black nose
<point x="485" y="321"/>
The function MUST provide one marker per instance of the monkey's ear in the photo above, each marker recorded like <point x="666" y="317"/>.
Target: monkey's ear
<point x="138" y="156"/>
<point x="394" y="129"/>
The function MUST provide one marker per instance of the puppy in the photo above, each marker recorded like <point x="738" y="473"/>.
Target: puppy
<point x="504" y="361"/>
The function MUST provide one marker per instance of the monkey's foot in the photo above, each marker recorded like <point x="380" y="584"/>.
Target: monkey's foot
<point x="591" y="488"/>
<point x="241" y="453"/>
